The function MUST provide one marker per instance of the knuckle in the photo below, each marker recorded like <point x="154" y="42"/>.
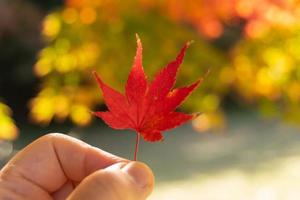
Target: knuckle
<point x="51" y="136"/>
<point x="110" y="184"/>
<point x="102" y="178"/>
<point x="10" y="171"/>
<point x="60" y="137"/>
<point x="8" y="189"/>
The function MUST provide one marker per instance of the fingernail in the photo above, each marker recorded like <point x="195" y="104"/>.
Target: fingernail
<point x="140" y="174"/>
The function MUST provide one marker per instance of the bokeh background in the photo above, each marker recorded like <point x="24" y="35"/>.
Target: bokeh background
<point x="245" y="145"/>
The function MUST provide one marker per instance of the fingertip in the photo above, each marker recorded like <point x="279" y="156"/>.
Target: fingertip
<point x="140" y="174"/>
<point x="123" y="180"/>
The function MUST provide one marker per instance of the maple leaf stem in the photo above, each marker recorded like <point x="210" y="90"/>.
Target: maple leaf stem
<point x="137" y="141"/>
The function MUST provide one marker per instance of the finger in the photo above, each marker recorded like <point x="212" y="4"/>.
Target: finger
<point x="64" y="191"/>
<point x="50" y="161"/>
<point x="122" y="181"/>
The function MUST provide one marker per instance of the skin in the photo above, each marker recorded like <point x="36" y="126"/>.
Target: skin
<point x="59" y="167"/>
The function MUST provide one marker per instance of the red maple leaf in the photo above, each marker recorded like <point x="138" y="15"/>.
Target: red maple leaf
<point x="147" y="107"/>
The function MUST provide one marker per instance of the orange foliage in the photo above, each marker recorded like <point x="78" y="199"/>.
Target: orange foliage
<point x="209" y="16"/>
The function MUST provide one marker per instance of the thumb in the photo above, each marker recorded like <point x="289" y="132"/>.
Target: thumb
<point x="122" y="181"/>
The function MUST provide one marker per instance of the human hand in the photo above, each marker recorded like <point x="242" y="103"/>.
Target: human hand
<point x="59" y="167"/>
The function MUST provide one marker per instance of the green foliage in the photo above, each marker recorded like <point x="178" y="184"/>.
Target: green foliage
<point x="108" y="46"/>
<point x="262" y="68"/>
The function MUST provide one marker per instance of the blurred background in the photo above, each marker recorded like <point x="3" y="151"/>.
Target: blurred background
<point x="245" y="145"/>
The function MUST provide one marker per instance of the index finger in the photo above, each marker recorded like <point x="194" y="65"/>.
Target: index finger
<point x="55" y="158"/>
